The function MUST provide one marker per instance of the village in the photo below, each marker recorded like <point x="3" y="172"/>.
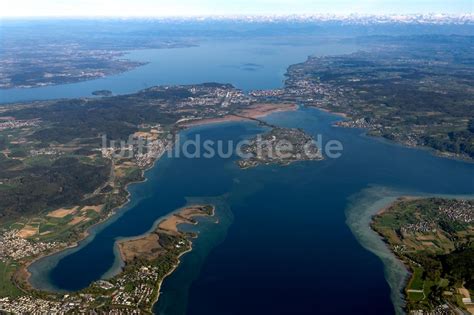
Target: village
<point x="459" y="211"/>
<point x="128" y="293"/>
<point x="279" y="146"/>
<point x="11" y="123"/>
<point x="15" y="247"/>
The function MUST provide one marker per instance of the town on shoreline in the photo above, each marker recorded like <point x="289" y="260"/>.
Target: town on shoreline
<point x="433" y="237"/>
<point x="57" y="180"/>
<point x="30" y="236"/>
<point x="148" y="259"/>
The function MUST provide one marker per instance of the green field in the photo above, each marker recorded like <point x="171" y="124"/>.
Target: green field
<point x="441" y="256"/>
<point x="416" y="296"/>
<point x="6" y="286"/>
<point x="416" y="282"/>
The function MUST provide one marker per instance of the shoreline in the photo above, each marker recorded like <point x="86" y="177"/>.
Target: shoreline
<point x="160" y="284"/>
<point x="113" y="214"/>
<point x="433" y="151"/>
<point x="88" y="232"/>
<point x="24" y="274"/>
<point x="246" y="114"/>
<point x="361" y="210"/>
<point x="169" y="227"/>
<point x="403" y="282"/>
<point x="156" y="227"/>
<point x="400" y="198"/>
<point x="340" y="114"/>
<point x="123" y="54"/>
<point x="257" y="113"/>
<point x="406" y="261"/>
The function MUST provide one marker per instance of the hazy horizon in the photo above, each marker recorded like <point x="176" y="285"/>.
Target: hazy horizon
<point x="191" y="8"/>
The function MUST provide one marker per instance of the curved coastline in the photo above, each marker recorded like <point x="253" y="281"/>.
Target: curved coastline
<point x="364" y="133"/>
<point x="49" y="261"/>
<point x="360" y="211"/>
<point x="358" y="214"/>
<point x="37" y="270"/>
<point x="362" y="207"/>
<point x="155" y="226"/>
<point x="160" y="285"/>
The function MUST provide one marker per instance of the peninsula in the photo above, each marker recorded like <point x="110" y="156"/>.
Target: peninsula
<point x="65" y="164"/>
<point x="434" y="238"/>
<point x="414" y="90"/>
<point x="148" y="260"/>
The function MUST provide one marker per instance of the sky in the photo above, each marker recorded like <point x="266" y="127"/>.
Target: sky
<point x="158" y="8"/>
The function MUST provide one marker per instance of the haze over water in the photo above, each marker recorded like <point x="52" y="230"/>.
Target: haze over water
<point x="282" y="244"/>
<point x="248" y="64"/>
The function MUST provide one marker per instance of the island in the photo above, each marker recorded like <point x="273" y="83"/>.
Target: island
<point x="65" y="165"/>
<point x="280" y="146"/>
<point x="102" y="93"/>
<point x="434" y="238"/>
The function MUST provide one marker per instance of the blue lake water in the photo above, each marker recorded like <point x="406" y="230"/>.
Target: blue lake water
<point x="250" y="64"/>
<point x="282" y="245"/>
<point x="289" y="250"/>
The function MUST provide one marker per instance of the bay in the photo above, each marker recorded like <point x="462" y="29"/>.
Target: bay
<point x="286" y="239"/>
<point x="247" y="64"/>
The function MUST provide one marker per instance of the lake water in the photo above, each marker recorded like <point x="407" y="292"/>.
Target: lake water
<point x="286" y="242"/>
<point x="249" y="64"/>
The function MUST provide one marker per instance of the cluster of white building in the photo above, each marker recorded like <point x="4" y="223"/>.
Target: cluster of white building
<point x="13" y="124"/>
<point x="13" y="247"/>
<point x="44" y="151"/>
<point x="144" y="281"/>
<point x="267" y="93"/>
<point x="419" y="227"/>
<point x="215" y="97"/>
<point x="460" y="211"/>
<point x="154" y="150"/>
<point x="31" y="305"/>
<point x="126" y="295"/>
